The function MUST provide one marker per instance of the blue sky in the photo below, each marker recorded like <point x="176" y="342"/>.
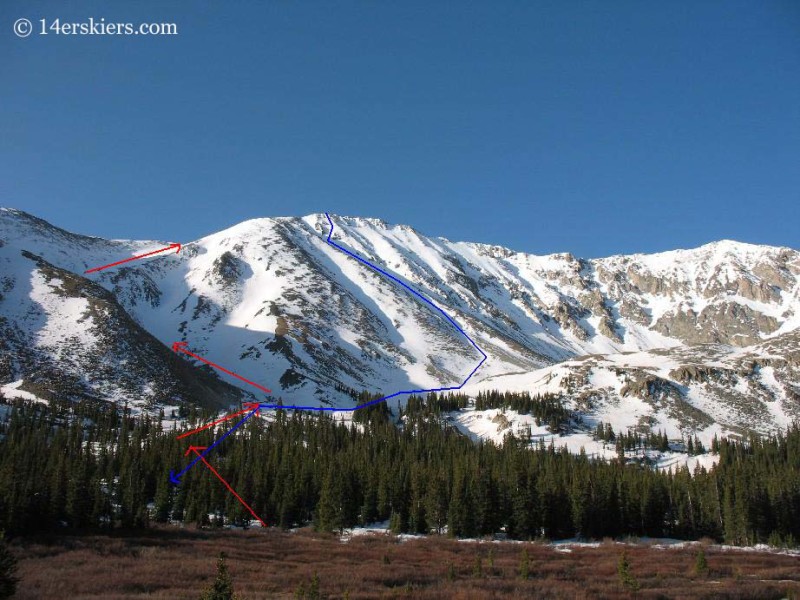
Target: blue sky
<point x="591" y="127"/>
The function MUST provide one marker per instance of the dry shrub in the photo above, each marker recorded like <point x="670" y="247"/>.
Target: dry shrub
<point x="179" y="563"/>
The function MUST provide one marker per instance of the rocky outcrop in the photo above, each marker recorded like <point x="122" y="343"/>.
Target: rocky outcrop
<point x="227" y="269"/>
<point x="568" y="316"/>
<point x="703" y="373"/>
<point x="725" y="323"/>
<point x="646" y="385"/>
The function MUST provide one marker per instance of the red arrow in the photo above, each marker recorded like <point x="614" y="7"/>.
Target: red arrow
<point x="196" y="450"/>
<point x="137" y="257"/>
<point x="181" y="347"/>
<point x="248" y="406"/>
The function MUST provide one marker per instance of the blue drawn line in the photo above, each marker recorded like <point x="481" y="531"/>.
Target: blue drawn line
<point x="176" y="478"/>
<point x="421" y="297"/>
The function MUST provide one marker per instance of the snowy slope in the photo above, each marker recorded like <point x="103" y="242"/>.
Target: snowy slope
<point x="272" y="300"/>
<point x="702" y="390"/>
<point x="62" y="335"/>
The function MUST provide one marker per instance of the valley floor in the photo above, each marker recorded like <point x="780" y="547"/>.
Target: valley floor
<point x="171" y="562"/>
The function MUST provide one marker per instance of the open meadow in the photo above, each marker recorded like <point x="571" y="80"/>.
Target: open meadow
<point x="180" y="563"/>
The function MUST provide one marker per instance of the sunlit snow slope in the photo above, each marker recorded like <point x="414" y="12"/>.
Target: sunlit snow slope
<point x="271" y="300"/>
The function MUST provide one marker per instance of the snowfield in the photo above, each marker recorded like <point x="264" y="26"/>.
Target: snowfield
<point x="697" y="342"/>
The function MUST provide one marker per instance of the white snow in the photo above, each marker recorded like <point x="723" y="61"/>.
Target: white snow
<point x="349" y="324"/>
<point x="11" y="391"/>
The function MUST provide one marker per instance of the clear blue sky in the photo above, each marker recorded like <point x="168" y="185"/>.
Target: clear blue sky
<point x="591" y="127"/>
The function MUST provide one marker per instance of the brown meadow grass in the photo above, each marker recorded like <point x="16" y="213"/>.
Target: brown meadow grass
<point x="179" y="563"/>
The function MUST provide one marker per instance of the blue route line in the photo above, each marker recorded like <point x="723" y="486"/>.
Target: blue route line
<point x="421" y="297"/>
<point x="176" y="478"/>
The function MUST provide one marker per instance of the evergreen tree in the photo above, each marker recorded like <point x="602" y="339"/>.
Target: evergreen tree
<point x="396" y="523"/>
<point x="524" y="508"/>
<point x="461" y="517"/>
<point x="436" y="502"/>
<point x="313" y="592"/>
<point x="163" y="500"/>
<point x="328" y="516"/>
<point x="222" y="587"/>
<point x="79" y="497"/>
<point x="524" y="564"/>
<point x="477" y="567"/>
<point x="87" y="465"/>
<point x="626" y="578"/>
<point x="700" y="564"/>
<point x="417" y="522"/>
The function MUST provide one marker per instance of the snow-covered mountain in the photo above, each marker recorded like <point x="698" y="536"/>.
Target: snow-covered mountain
<point x="703" y="390"/>
<point x="271" y="300"/>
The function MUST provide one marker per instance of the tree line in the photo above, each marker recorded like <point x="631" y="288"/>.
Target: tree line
<point x="653" y="440"/>
<point x="87" y="466"/>
<point x="546" y="409"/>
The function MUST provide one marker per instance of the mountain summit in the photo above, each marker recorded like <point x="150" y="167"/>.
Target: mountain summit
<point x="271" y="300"/>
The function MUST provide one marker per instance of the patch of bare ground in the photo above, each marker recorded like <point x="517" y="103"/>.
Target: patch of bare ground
<point x="179" y="563"/>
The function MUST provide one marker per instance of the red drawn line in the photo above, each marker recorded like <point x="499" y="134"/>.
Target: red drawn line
<point x="137" y="257"/>
<point x="248" y="407"/>
<point x="196" y="450"/>
<point x="181" y="347"/>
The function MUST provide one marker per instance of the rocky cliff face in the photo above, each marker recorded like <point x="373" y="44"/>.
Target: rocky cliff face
<point x="273" y="301"/>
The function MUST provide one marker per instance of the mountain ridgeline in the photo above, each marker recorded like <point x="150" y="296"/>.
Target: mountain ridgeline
<point x="687" y="339"/>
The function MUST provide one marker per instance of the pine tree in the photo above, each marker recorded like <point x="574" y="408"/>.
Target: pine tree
<point x="327" y="517"/>
<point x="524" y="508"/>
<point x="396" y="523"/>
<point x="58" y="486"/>
<point x="313" y="592"/>
<point x="626" y="578"/>
<point x="698" y="446"/>
<point x="487" y="504"/>
<point x="460" y="517"/>
<point x="524" y="564"/>
<point x="700" y="564"/>
<point x="369" y="508"/>
<point x="422" y="475"/>
<point x="163" y="500"/>
<point x="477" y="567"/>
<point x="417" y="523"/>
<point x="79" y="501"/>
<point x="222" y="588"/>
<point x="581" y="502"/>
<point x="436" y="502"/>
